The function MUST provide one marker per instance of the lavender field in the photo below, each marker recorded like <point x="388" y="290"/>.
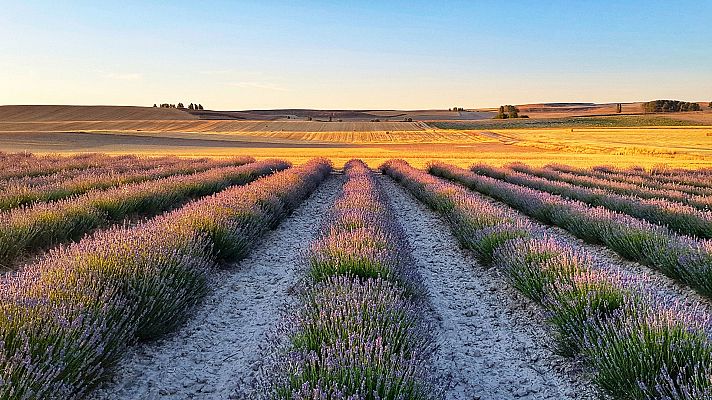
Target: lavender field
<point x="130" y="277"/>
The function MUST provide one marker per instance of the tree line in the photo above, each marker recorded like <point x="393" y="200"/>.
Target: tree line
<point x="670" y="106"/>
<point x="509" y="111"/>
<point x="191" y="106"/>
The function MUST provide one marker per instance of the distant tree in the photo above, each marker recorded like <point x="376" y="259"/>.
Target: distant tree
<point x="154" y="105"/>
<point x="180" y="105"/>
<point x="710" y="105"/>
<point x="670" y="106"/>
<point x="190" y="106"/>
<point x="200" y="106"/>
<point x="507" y="111"/>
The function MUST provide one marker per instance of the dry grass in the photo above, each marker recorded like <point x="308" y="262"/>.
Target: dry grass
<point x="688" y="142"/>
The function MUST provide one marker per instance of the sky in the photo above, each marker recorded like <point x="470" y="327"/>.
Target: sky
<point x="233" y="55"/>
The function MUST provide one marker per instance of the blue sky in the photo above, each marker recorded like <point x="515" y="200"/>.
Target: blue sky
<point x="365" y="54"/>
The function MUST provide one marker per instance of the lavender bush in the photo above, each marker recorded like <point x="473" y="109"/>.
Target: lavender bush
<point x="640" y="178"/>
<point x="18" y="165"/>
<point x="359" y="333"/>
<point x="678" y="217"/>
<point x="639" y="346"/>
<point x="661" y="178"/>
<point x="23" y="191"/>
<point x="679" y="257"/>
<point x="701" y="202"/>
<point x="67" y="319"/>
<point x="651" y="352"/>
<point x="46" y="224"/>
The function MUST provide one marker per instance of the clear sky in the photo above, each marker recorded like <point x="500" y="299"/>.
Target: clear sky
<point x="353" y="54"/>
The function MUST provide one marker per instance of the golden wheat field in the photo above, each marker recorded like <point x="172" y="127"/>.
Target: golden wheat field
<point x="677" y="147"/>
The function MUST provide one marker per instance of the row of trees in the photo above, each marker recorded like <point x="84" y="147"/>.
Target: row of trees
<point x="456" y="109"/>
<point x="670" y="106"/>
<point x="509" y="111"/>
<point x="180" y="105"/>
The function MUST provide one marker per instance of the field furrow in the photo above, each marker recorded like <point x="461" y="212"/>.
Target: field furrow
<point x="683" y="219"/>
<point x="19" y="165"/>
<point x="358" y="331"/>
<point x="44" y="225"/>
<point x="19" y="192"/>
<point x="639" y="345"/>
<point x="217" y="354"/>
<point x="682" y="258"/>
<point x="690" y="185"/>
<point x="491" y="342"/>
<point x="700" y="202"/>
<point x="67" y="320"/>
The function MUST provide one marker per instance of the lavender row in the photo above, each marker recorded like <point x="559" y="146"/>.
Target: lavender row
<point x="18" y="165"/>
<point x="358" y="333"/>
<point x="46" y="224"/>
<point x="629" y="189"/>
<point x="681" y="218"/>
<point x="693" y="177"/>
<point x="682" y="258"/>
<point x="119" y="165"/>
<point x="65" y="321"/>
<point x="114" y="165"/>
<point x="639" y="347"/>
<point x="689" y="185"/>
<point x="16" y="193"/>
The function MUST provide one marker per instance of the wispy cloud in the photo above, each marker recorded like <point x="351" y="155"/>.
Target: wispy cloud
<point x="258" y="85"/>
<point x="216" y="72"/>
<point x="130" y="76"/>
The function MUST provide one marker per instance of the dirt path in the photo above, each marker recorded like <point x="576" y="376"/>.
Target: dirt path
<point x="216" y="354"/>
<point x="493" y="343"/>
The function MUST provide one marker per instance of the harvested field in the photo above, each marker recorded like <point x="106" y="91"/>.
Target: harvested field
<point x="189" y="125"/>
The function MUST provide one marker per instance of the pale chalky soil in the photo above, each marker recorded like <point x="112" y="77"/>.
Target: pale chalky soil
<point x="493" y="343"/>
<point x="215" y="355"/>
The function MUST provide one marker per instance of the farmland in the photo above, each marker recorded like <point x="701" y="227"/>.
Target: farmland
<point x="451" y="137"/>
<point x="126" y="276"/>
<point x="269" y="200"/>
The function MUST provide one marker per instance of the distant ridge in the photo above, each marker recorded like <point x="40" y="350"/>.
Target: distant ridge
<point x="89" y="113"/>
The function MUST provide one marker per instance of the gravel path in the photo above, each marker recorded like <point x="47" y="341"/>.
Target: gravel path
<point x="493" y="343"/>
<point x="215" y="355"/>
